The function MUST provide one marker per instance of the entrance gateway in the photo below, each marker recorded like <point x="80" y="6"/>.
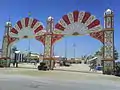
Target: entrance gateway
<point x="74" y="23"/>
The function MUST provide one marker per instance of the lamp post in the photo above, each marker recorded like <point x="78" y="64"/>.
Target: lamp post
<point x="74" y="46"/>
<point x="65" y="48"/>
<point x="16" y="58"/>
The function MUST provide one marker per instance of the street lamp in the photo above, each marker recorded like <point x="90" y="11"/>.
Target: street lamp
<point x="16" y="58"/>
<point x="74" y="50"/>
<point x="65" y="48"/>
<point x="16" y="55"/>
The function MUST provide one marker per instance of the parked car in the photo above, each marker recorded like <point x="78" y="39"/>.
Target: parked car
<point x="43" y="66"/>
<point x="67" y="64"/>
<point x="32" y="61"/>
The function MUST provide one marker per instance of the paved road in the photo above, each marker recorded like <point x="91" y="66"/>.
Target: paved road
<point x="32" y="79"/>
<point x="73" y="67"/>
<point x="23" y="82"/>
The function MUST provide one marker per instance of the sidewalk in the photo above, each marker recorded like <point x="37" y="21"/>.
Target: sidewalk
<point x="26" y="65"/>
<point x="77" y="68"/>
<point x="73" y="68"/>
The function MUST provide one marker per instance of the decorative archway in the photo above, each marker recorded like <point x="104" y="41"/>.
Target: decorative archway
<point x="82" y="23"/>
<point x="27" y="28"/>
<point x="74" y="23"/>
<point x="24" y="28"/>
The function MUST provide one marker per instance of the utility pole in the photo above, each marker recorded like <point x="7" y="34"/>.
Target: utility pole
<point x="74" y="47"/>
<point x="65" y="48"/>
<point x="29" y="50"/>
<point x="29" y="45"/>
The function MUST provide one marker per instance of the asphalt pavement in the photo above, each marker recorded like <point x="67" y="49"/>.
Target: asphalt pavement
<point x="24" y="82"/>
<point x="62" y="79"/>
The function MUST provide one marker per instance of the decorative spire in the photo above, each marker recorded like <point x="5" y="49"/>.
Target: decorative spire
<point x="9" y="18"/>
<point x="50" y="18"/>
<point x="108" y="12"/>
<point x="29" y="14"/>
<point x="8" y="23"/>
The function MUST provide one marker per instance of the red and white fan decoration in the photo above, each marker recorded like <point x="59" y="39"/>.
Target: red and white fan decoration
<point x="27" y="28"/>
<point x="80" y="23"/>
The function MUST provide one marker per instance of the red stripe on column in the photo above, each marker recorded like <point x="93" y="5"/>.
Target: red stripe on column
<point x="66" y="19"/>
<point x="13" y="30"/>
<point x="41" y="38"/>
<point x="75" y="15"/>
<point x="34" y="22"/>
<point x="38" y="29"/>
<point x="60" y="27"/>
<point x="86" y="16"/>
<point x="93" y="24"/>
<point x="19" y="24"/>
<point x="26" y="22"/>
<point x="56" y="37"/>
<point x="98" y="35"/>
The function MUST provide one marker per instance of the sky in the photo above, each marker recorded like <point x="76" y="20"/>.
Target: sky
<point x="42" y="9"/>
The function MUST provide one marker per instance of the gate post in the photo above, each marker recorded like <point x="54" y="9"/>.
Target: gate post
<point x="48" y="43"/>
<point x="108" y="51"/>
<point x="5" y="44"/>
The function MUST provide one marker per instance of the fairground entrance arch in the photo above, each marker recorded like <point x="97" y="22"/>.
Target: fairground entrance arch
<point x="74" y="23"/>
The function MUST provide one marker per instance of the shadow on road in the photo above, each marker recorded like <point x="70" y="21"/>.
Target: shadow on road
<point x="97" y="72"/>
<point x="24" y="67"/>
<point x="77" y="71"/>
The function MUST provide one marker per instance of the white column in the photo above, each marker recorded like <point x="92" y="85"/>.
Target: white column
<point x="108" y="42"/>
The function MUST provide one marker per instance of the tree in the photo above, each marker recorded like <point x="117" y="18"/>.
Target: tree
<point x="14" y="49"/>
<point x="100" y="52"/>
<point x="116" y="56"/>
